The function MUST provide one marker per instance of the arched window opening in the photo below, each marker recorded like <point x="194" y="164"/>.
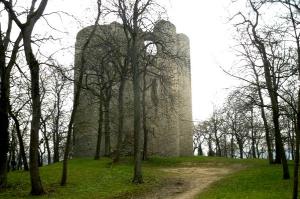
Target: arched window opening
<point x="151" y="48"/>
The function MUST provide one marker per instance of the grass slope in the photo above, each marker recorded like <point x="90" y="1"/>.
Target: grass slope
<point x="258" y="181"/>
<point x="100" y="179"/>
<point x="87" y="179"/>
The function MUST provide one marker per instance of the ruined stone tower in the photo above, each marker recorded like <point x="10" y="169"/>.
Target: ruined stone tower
<point x="168" y="96"/>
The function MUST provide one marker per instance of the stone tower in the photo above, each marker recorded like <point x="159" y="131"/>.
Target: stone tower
<point x="168" y="97"/>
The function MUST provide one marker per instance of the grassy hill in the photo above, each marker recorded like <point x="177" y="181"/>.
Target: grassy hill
<point x="258" y="181"/>
<point x="102" y="179"/>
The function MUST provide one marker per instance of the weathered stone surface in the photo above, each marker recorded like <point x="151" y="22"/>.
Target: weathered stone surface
<point x="168" y="101"/>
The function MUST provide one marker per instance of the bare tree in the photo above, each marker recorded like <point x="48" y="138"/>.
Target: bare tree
<point x="26" y="30"/>
<point x="131" y="14"/>
<point x="271" y="64"/>
<point x="5" y="72"/>
<point x="78" y="87"/>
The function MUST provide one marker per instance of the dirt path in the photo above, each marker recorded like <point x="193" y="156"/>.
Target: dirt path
<point x="187" y="182"/>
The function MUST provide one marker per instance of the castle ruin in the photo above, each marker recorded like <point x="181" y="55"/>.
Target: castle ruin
<point x="167" y="94"/>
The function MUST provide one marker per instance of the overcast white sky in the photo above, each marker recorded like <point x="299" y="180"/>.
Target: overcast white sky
<point x="205" y="24"/>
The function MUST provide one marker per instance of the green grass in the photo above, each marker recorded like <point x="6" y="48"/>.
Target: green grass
<point x="87" y="179"/>
<point x="101" y="179"/>
<point x="258" y="181"/>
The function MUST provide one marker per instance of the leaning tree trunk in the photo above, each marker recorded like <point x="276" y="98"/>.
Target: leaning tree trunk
<point x="36" y="184"/>
<point x="272" y="91"/>
<point x="275" y="112"/>
<point x="264" y="118"/>
<point x="63" y="180"/>
<point x="20" y="140"/>
<point x="78" y="87"/>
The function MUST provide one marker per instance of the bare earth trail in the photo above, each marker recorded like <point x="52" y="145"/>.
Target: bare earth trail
<point x="188" y="182"/>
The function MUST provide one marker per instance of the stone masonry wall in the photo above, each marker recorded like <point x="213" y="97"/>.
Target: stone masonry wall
<point x="168" y="101"/>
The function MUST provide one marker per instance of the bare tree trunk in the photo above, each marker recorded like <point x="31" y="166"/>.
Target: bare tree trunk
<point x="267" y="130"/>
<point x="3" y="144"/>
<point x="26" y="29"/>
<point x="292" y="132"/>
<point x="252" y="136"/>
<point x="257" y="150"/>
<point x="280" y="153"/>
<point x="225" y="146"/>
<point x="291" y="138"/>
<point x="107" y="126"/>
<point x="210" y="150"/>
<point x="46" y="140"/>
<point x="200" y="151"/>
<point x="13" y="145"/>
<point x="55" y="135"/>
<point x="78" y="87"/>
<point x="297" y="126"/>
<point x="36" y="184"/>
<point x="218" y="148"/>
<point x="4" y="134"/>
<point x="63" y="180"/>
<point x="120" y="119"/>
<point x="231" y="147"/>
<point x="55" y="146"/>
<point x="263" y="116"/>
<point x="145" y="130"/>
<point x="100" y="124"/>
<point x="286" y="174"/>
<point x="5" y="72"/>
<point x="131" y="18"/>
<point x="272" y="89"/>
<point x="20" y="140"/>
<point x="277" y="150"/>
<point x="296" y="166"/>
<point x="241" y="148"/>
<point x="137" y="177"/>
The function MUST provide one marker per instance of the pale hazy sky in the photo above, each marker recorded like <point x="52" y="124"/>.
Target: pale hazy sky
<point x="205" y="22"/>
<point x="210" y="38"/>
